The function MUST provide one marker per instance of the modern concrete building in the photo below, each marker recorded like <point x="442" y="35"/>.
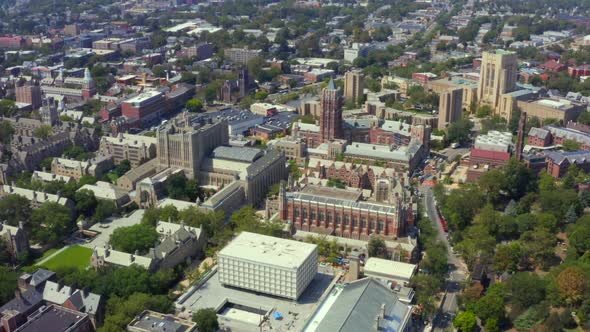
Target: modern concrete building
<point x="497" y="77"/>
<point x="241" y="55"/>
<point x="268" y="265"/>
<point x="151" y="321"/>
<point x="353" y="86"/>
<point x="135" y="148"/>
<point x="389" y="271"/>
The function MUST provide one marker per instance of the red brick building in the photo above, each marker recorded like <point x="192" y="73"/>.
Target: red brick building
<point x="341" y="213"/>
<point x="559" y="162"/>
<point x="13" y="43"/>
<point x="146" y="107"/>
<point x="483" y="161"/>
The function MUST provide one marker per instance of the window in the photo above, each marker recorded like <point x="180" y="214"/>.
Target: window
<point x="346" y="220"/>
<point x="363" y="222"/>
<point x="354" y="222"/>
<point x="312" y="214"/>
<point x="380" y="225"/>
<point x="336" y="220"/>
<point x="321" y="215"/>
<point x="296" y="212"/>
<point x="372" y="224"/>
<point x="304" y="213"/>
<point x="328" y="216"/>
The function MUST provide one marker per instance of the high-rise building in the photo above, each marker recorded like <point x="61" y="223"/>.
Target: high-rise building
<point x="29" y="94"/>
<point x="450" y="107"/>
<point x="183" y="144"/>
<point x="497" y="76"/>
<point x="353" y="86"/>
<point x="331" y="113"/>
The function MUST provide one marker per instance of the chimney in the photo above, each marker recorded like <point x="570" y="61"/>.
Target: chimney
<point x="17" y="294"/>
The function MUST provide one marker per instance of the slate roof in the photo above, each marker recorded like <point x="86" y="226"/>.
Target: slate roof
<point x="27" y="300"/>
<point x="539" y="132"/>
<point x="578" y="157"/>
<point x="358" y="306"/>
<point x="237" y="153"/>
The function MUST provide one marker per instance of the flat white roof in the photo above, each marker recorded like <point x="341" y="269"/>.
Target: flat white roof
<point x="390" y="268"/>
<point x="144" y="96"/>
<point x="268" y="250"/>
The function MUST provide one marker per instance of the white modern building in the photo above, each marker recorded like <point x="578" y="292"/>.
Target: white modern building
<point x="268" y="265"/>
<point x="389" y="271"/>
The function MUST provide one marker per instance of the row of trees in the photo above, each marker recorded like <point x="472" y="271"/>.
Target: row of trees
<point x="513" y="220"/>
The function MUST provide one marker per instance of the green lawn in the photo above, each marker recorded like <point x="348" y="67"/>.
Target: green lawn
<point x="74" y="256"/>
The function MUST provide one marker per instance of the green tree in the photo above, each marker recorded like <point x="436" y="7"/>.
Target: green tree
<point x="51" y="222"/>
<point x="465" y="321"/>
<point x="526" y="289"/>
<point x="206" y="320"/>
<point x="134" y="238"/>
<point x="151" y="216"/>
<point x="104" y="209"/>
<point x="85" y="202"/>
<point x="7" y="284"/>
<point x="121" y="311"/>
<point x="43" y="132"/>
<point x="491" y="305"/>
<point x="194" y="105"/>
<point x="377" y="247"/>
<point x="578" y="235"/>
<point x="7" y="108"/>
<point x="483" y="111"/>
<point x="169" y="213"/>
<point x="571" y="145"/>
<point x="123" y="167"/>
<point x="6" y="132"/>
<point x="260" y="95"/>
<point x="15" y="208"/>
<point x="459" y="131"/>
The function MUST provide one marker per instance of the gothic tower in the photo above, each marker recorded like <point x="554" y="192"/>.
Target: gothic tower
<point x="331" y="113"/>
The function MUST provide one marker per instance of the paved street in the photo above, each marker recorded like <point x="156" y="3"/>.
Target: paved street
<point x="458" y="269"/>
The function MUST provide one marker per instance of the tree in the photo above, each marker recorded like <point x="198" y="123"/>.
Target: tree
<point x="151" y="217"/>
<point x="491" y="305"/>
<point x="483" y="111"/>
<point x="206" y="320"/>
<point x="15" y="208"/>
<point x="6" y="132"/>
<point x="459" y="131"/>
<point x="526" y="289"/>
<point x="194" y="105"/>
<point x="465" y="321"/>
<point x="121" y="311"/>
<point x="85" y="202"/>
<point x="507" y="257"/>
<point x="51" y="222"/>
<point x="260" y="95"/>
<point x="7" y="284"/>
<point x="377" y="247"/>
<point x="571" y="145"/>
<point x="104" y="209"/>
<point x="134" y="238"/>
<point x="7" y="108"/>
<point x="578" y="235"/>
<point x="572" y="284"/>
<point x="169" y="213"/>
<point x="123" y="167"/>
<point x="43" y="132"/>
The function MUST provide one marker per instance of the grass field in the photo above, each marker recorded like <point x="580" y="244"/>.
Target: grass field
<point x="74" y="256"/>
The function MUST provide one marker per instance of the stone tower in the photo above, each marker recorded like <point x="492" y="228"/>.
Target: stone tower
<point x="331" y="113"/>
